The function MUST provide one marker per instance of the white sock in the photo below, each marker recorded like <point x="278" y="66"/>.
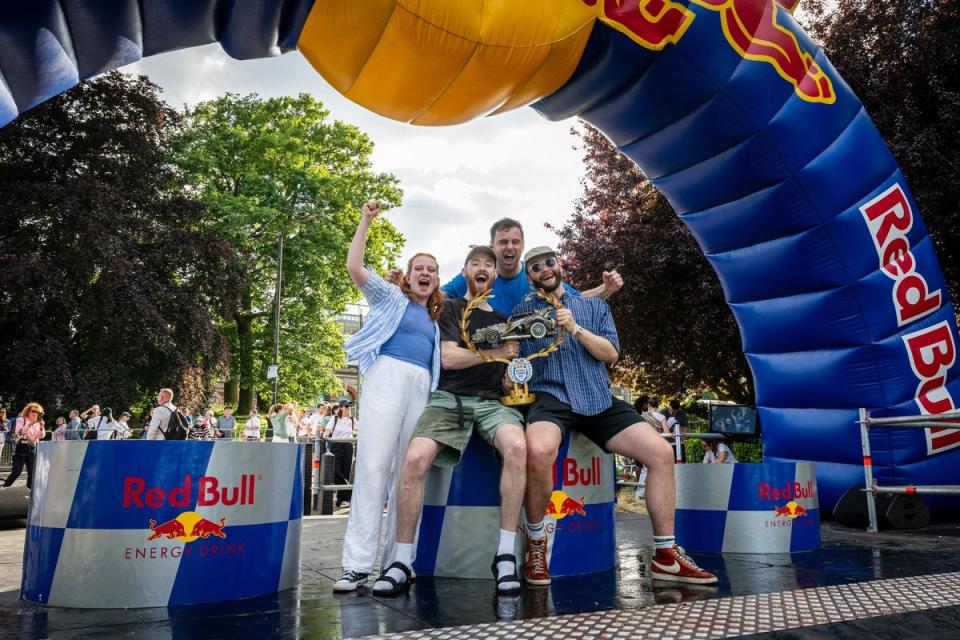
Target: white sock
<point x="505" y="567"/>
<point x="663" y="542"/>
<point x="507" y="542"/>
<point x="536" y="531"/>
<point x="403" y="552"/>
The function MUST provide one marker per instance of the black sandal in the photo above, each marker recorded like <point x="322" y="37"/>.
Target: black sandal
<point x="398" y="587"/>
<point x="511" y="577"/>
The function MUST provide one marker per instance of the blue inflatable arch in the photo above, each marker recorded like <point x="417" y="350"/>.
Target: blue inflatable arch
<point x="726" y="105"/>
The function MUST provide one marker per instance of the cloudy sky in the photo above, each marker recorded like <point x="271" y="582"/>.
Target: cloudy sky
<point x="456" y="180"/>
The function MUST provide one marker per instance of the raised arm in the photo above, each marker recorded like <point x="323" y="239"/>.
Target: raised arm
<point x="612" y="282"/>
<point x="358" y="272"/>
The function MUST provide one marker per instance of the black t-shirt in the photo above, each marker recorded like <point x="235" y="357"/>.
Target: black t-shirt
<point x="484" y="380"/>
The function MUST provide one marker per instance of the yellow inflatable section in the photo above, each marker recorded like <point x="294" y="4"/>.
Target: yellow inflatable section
<point x="437" y="62"/>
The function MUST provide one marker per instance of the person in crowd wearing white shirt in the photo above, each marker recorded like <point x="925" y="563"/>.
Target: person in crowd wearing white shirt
<point x="251" y="428"/>
<point x="342" y="425"/>
<point x="646" y="407"/>
<point x="107" y="427"/>
<point x="123" y="426"/>
<point x="93" y="420"/>
<point x="717" y="452"/>
<point x="160" y="419"/>
<point x="398" y="353"/>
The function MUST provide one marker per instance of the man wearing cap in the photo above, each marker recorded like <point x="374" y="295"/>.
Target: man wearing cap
<point x="511" y="284"/>
<point x="573" y="392"/>
<point x="467" y="399"/>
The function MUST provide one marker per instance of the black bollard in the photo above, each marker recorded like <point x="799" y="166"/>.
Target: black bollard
<point x="327" y="462"/>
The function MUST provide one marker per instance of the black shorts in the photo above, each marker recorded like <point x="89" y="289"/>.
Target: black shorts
<point x="599" y="428"/>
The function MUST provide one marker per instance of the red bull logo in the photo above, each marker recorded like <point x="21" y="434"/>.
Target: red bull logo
<point x="136" y="494"/>
<point x="561" y="505"/>
<point x="931" y="350"/>
<point x="573" y="474"/>
<point x="790" y="510"/>
<point x="176" y="529"/>
<point x="790" y="491"/>
<point x="751" y="27"/>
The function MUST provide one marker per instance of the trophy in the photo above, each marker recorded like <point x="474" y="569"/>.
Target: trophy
<point x="533" y="325"/>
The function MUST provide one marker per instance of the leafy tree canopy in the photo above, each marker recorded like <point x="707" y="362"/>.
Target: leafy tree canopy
<point x="280" y="166"/>
<point x="109" y="282"/>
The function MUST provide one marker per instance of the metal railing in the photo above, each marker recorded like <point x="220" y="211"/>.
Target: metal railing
<point x="871" y="488"/>
<point x="324" y="461"/>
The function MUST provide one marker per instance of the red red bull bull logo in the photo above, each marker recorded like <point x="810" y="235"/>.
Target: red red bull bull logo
<point x="931" y="351"/>
<point x="790" y="491"/>
<point x="187" y="527"/>
<point x="561" y="505"/>
<point x="137" y="495"/>
<point x="751" y="27"/>
<point x="790" y="510"/>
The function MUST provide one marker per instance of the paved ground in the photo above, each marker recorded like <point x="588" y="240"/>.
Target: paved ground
<point x="851" y="588"/>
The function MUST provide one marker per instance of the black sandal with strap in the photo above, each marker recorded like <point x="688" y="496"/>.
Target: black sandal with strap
<point x="511" y="577"/>
<point x="398" y="587"/>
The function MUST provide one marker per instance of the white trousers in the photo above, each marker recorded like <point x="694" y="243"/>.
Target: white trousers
<point x="394" y="395"/>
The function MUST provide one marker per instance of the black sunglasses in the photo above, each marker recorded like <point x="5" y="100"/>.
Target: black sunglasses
<point x="537" y="267"/>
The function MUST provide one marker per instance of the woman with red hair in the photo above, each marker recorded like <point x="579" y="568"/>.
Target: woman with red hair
<point x="398" y="352"/>
<point x="27" y="432"/>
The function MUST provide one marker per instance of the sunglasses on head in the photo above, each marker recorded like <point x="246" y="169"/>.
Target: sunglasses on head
<point x="537" y="267"/>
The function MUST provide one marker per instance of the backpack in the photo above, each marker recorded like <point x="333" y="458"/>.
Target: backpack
<point x="176" y="427"/>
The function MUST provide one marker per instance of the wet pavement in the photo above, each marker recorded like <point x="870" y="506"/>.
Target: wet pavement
<point x="847" y="557"/>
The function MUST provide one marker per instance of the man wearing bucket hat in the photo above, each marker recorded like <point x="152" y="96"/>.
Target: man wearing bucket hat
<point x="467" y="400"/>
<point x="511" y="284"/>
<point x="573" y="392"/>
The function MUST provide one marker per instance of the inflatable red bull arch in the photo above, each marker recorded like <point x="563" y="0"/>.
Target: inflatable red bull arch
<point x="726" y="105"/>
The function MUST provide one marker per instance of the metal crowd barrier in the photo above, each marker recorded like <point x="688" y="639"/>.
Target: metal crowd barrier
<point x="871" y="488"/>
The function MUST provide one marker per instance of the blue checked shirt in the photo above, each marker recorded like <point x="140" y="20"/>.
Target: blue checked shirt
<point x="387" y="304"/>
<point x="571" y="374"/>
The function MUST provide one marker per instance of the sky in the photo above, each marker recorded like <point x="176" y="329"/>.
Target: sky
<point x="456" y="180"/>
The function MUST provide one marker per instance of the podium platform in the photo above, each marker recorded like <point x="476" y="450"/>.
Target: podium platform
<point x="748" y="508"/>
<point x="135" y="523"/>
<point x="461" y="514"/>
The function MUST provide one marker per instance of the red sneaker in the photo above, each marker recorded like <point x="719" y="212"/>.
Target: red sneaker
<point x="535" y="567"/>
<point x="675" y="565"/>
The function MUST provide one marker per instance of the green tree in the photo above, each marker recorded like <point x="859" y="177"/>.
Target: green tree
<point x="280" y="166"/>
<point x="109" y="284"/>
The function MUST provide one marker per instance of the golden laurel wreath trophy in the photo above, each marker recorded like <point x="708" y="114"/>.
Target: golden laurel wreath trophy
<point x="520" y="371"/>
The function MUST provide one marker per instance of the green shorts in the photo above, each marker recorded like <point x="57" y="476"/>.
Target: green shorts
<point x="441" y="423"/>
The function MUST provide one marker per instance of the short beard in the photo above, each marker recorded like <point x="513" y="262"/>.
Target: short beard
<point x="551" y="288"/>
<point x="475" y="288"/>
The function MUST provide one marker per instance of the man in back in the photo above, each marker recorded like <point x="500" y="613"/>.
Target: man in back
<point x="511" y="284"/>
<point x="160" y="419"/>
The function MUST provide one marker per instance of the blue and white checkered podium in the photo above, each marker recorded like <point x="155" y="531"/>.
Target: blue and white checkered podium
<point x="135" y="523"/>
<point x="461" y="513"/>
<point x="748" y="508"/>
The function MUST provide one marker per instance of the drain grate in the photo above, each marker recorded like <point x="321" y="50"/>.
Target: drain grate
<point x="727" y="617"/>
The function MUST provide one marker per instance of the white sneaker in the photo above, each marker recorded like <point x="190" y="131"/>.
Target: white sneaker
<point x="350" y="581"/>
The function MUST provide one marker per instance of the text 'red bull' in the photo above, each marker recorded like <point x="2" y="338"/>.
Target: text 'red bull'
<point x="790" y="491"/>
<point x="751" y="27"/>
<point x="573" y="475"/>
<point x="209" y="492"/>
<point x="931" y="351"/>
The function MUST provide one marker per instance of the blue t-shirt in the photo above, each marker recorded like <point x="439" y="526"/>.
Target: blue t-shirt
<point x="507" y="292"/>
<point x="413" y="340"/>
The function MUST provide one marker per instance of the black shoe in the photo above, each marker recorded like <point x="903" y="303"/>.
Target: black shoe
<point x="350" y="581"/>
<point x="510" y="577"/>
<point x="390" y="587"/>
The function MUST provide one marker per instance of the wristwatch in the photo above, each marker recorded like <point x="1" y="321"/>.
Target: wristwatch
<point x="578" y="331"/>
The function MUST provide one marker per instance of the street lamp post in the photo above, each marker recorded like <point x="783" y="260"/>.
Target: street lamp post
<point x="276" y="323"/>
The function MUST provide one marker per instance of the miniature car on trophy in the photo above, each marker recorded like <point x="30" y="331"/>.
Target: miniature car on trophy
<point x="522" y="326"/>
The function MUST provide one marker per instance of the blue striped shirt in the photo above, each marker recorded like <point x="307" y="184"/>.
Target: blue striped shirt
<point x="570" y="373"/>
<point x="387" y="305"/>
